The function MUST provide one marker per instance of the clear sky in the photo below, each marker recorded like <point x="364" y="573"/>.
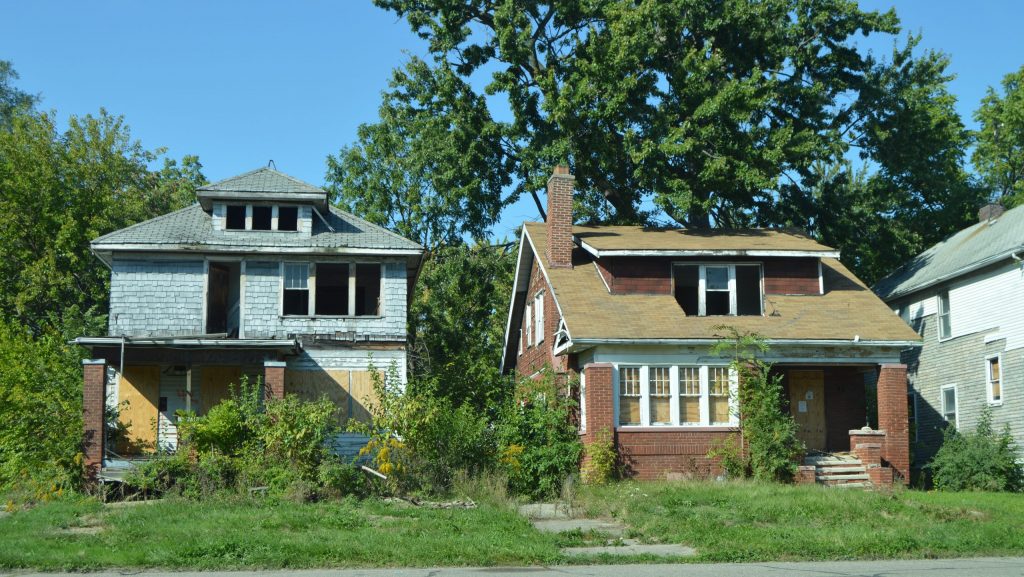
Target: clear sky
<point x="239" y="83"/>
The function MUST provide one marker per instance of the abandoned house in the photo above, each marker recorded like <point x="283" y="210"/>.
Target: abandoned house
<point x="965" y="297"/>
<point x="264" y="278"/>
<point x="634" y="312"/>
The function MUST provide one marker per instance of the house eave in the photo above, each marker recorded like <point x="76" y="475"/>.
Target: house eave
<point x="208" y="197"/>
<point x="188" y="343"/>
<point x="706" y="252"/>
<point x="102" y="250"/>
<point x="1005" y="255"/>
<point x="581" y="343"/>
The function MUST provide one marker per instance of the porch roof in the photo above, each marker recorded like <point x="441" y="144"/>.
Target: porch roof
<point x="190" y="342"/>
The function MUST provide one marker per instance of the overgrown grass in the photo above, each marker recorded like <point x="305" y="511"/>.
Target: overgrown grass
<point x="82" y="534"/>
<point x="747" y="521"/>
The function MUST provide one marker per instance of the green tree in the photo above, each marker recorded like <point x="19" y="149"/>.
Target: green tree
<point x="457" y="322"/>
<point x="432" y="169"/>
<point x="60" y="190"/>
<point x="12" y="99"/>
<point x="999" y="153"/>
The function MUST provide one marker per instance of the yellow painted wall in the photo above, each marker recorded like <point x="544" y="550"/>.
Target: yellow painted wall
<point x="334" y="384"/>
<point x="137" y="398"/>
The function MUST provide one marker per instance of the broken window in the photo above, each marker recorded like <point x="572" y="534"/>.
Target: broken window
<point x="261" y="217"/>
<point x="332" y="289"/>
<point x="368" y="289"/>
<point x="687" y="279"/>
<point x="718" y="289"/>
<point x="287" y="218"/>
<point x="235" y="217"/>
<point x="296" y="288"/>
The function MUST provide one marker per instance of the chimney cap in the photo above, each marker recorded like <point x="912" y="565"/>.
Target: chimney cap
<point x="562" y="169"/>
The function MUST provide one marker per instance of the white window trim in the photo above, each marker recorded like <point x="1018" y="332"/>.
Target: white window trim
<point x="988" y="380"/>
<point x="538" y="313"/>
<point x="702" y="284"/>
<point x="705" y="402"/>
<point x="529" y="325"/>
<point x="939" y="313"/>
<point x="956" y="403"/>
<point x="583" y="402"/>
<point x="311" y="287"/>
<point x="274" y="216"/>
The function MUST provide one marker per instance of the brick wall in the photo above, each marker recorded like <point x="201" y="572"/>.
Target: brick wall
<point x="791" y="276"/>
<point x="535" y="356"/>
<point x="94" y="378"/>
<point x="273" y="379"/>
<point x="892" y="418"/>
<point x="639" y="275"/>
<point x="845" y="405"/>
<point x="650" y="455"/>
<point x="560" y="191"/>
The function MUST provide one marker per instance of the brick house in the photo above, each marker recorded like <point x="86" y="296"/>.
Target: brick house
<point x="262" y="277"/>
<point x="634" y="312"/>
<point x="965" y="297"/>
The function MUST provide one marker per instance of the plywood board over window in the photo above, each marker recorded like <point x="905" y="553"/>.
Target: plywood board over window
<point x="138" y="395"/>
<point x="216" y="385"/>
<point x="629" y="396"/>
<point x="351" y="391"/>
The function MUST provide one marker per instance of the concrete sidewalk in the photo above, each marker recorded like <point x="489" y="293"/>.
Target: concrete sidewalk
<point x="981" y="567"/>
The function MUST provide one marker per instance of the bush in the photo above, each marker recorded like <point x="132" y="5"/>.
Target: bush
<point x="538" y="444"/>
<point x="979" y="461"/>
<point x="601" y="460"/>
<point x="768" y="430"/>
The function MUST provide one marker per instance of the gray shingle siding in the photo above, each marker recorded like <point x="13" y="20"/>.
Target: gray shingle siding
<point x="156" y="298"/>
<point x="961" y="361"/>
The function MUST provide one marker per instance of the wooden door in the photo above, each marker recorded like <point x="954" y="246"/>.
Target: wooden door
<point x="807" y="404"/>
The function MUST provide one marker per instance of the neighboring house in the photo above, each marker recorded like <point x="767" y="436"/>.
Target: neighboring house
<point x="261" y="278"/>
<point x="635" y="311"/>
<point x="965" y="296"/>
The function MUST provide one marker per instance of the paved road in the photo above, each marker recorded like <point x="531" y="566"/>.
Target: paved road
<point x="1000" y="567"/>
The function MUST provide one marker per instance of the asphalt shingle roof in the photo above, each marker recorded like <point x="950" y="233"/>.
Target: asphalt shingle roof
<point x="976" y="245"/>
<point x="194" y="226"/>
<point x="261" y="180"/>
<point x="639" y="238"/>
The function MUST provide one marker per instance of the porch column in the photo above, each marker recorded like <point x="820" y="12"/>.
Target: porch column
<point x="600" y="400"/>
<point x="893" y="418"/>
<point x="273" y="379"/>
<point x="94" y="392"/>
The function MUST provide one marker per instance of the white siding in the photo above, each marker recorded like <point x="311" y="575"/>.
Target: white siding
<point x="992" y="301"/>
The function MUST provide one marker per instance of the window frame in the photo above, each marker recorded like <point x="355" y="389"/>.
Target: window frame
<point x="529" y="324"/>
<point x="583" y="402"/>
<point x="943" y="308"/>
<point x="956" y="404"/>
<point x="310" y="279"/>
<point x="998" y="357"/>
<point x="248" y="219"/>
<point x="311" y="287"/>
<point x="733" y="294"/>
<point x="538" y="314"/>
<point x="704" y="371"/>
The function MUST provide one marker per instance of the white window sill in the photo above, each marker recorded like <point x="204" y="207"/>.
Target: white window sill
<point x="998" y="403"/>
<point x="676" y="428"/>
<point x="329" y="317"/>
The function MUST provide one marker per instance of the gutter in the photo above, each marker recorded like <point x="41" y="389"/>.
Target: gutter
<point x="1013" y="253"/>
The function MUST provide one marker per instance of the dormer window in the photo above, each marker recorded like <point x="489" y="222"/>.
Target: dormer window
<point x="718" y="289"/>
<point x="262" y="217"/>
<point x="235" y="217"/>
<point x="288" y="218"/>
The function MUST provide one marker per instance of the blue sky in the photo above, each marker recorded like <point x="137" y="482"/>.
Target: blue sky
<point x="241" y="83"/>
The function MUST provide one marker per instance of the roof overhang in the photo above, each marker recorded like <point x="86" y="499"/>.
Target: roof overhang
<point x="208" y="197"/>
<point x="599" y="253"/>
<point x="584" y="343"/>
<point x="104" y="251"/>
<point x="189" y="343"/>
<point x="1014" y="253"/>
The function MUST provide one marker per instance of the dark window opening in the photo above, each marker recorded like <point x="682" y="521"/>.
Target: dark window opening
<point x="332" y="289"/>
<point x="368" y="289"/>
<point x="687" y="279"/>
<point x="296" y="302"/>
<point x="222" y="298"/>
<point x="287" y="218"/>
<point x="716" y="303"/>
<point x="235" y="218"/>
<point x="296" y="289"/>
<point x="716" y="290"/>
<point x="748" y="290"/>
<point x="261" y="217"/>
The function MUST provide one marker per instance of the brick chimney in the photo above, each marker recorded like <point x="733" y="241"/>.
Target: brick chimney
<point x="988" y="212"/>
<point x="560" y="190"/>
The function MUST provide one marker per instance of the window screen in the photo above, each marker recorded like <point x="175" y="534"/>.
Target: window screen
<point x="287" y="218"/>
<point x="687" y="281"/>
<point x="296" y="289"/>
<point x="748" y="290"/>
<point x="331" y="289"/>
<point x="261" y="216"/>
<point x="235" y="217"/>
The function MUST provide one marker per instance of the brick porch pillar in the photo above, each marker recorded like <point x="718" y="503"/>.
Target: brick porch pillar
<point x="273" y="379"/>
<point x="94" y="392"/>
<point x="599" y="397"/>
<point x="893" y="419"/>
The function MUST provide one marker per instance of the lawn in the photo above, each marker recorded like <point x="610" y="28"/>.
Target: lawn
<point x="723" y="521"/>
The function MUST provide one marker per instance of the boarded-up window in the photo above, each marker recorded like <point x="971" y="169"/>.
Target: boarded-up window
<point x="689" y="395"/>
<point x="235" y="217"/>
<point x="629" y="396"/>
<point x="368" y="289"/>
<point x="287" y="218"/>
<point x="718" y="397"/>
<point x="660" y="395"/>
<point x="995" y="381"/>
<point x="296" y="288"/>
<point x="331" y="289"/>
<point x="261" y="217"/>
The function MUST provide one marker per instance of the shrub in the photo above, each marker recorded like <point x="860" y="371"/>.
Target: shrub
<point x="601" y="460"/>
<point x="768" y="430"/>
<point x="982" y="460"/>
<point x="337" y="479"/>
<point x="537" y="442"/>
<point x="229" y="424"/>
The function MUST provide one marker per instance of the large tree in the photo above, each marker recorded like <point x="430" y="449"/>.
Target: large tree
<point x="717" y="113"/>
<point x="999" y="154"/>
<point x="58" y="191"/>
<point x="12" y="99"/>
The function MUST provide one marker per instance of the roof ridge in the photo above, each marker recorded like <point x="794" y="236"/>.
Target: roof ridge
<point x="336" y="210"/>
<point x="146" y="222"/>
<point x="293" y="179"/>
<point x="209" y="186"/>
<point x="212" y="187"/>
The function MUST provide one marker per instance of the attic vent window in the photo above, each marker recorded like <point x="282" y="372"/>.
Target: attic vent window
<point x="235" y="217"/>
<point x="287" y="218"/>
<point x="261" y="217"/>
<point x="718" y="289"/>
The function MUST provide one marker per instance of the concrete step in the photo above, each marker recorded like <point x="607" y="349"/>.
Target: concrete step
<point x="838" y="469"/>
<point x="847" y="477"/>
<point x="830" y="461"/>
<point x="856" y="485"/>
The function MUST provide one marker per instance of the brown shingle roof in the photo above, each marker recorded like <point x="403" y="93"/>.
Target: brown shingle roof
<point x="634" y="238"/>
<point x="847" y="309"/>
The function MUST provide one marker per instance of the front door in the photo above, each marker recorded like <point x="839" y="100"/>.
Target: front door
<point x="807" y="403"/>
